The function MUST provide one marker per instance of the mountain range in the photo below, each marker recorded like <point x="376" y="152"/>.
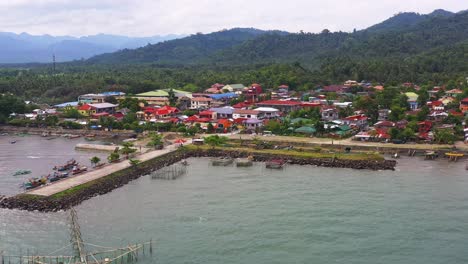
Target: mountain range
<point x="26" y="48"/>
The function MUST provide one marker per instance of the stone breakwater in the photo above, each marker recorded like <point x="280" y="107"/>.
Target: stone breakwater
<point x="75" y="196"/>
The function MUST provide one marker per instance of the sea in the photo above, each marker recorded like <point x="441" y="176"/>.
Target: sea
<point x="299" y="214"/>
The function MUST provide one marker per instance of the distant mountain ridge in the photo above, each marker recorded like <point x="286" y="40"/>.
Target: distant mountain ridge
<point x="407" y="19"/>
<point x="26" y="48"/>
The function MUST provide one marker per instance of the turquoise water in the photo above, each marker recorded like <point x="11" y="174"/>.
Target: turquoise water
<point x="302" y="214"/>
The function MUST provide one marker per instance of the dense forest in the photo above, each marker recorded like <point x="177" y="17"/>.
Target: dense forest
<point x="423" y="49"/>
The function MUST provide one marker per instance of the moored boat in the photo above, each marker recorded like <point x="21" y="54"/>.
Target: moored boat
<point x="67" y="166"/>
<point x="275" y="164"/>
<point x="21" y="172"/>
<point x="244" y="162"/>
<point x="58" y="176"/>
<point x="35" y="182"/>
<point x="78" y="169"/>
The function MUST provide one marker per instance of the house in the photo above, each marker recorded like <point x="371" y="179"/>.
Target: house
<point x="359" y="121"/>
<point x="253" y="124"/>
<point x="253" y="92"/>
<point x="447" y="100"/>
<point x="453" y="92"/>
<point x="98" y="98"/>
<point x="161" y="96"/>
<point x="412" y="100"/>
<point x="67" y="105"/>
<point x="249" y="114"/>
<point x="329" y="113"/>
<point x="383" y="114"/>
<point x="268" y="112"/>
<point x="156" y="113"/>
<point x="236" y="88"/>
<point x="464" y="105"/>
<point x="334" y="88"/>
<point x="92" y="109"/>
<point x="223" y="112"/>
<point x="223" y="125"/>
<point x="242" y="105"/>
<point x="282" y="105"/>
<point x="435" y="105"/>
<point x="351" y="83"/>
<point x="208" y="114"/>
<point x="200" y="103"/>
<point x="283" y="89"/>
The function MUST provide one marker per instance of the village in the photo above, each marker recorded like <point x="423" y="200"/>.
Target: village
<point x="358" y="110"/>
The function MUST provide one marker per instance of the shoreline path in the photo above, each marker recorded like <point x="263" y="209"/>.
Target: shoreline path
<point x="80" y="179"/>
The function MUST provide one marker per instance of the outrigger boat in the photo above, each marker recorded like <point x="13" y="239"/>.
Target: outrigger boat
<point x="68" y="166"/>
<point x="275" y="164"/>
<point x="35" y="182"/>
<point x="21" y="172"/>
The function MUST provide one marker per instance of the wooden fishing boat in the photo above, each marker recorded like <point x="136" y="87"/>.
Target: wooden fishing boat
<point x="58" y="176"/>
<point x="67" y="166"/>
<point x="275" y="164"/>
<point x="35" y="182"/>
<point x="431" y="155"/>
<point x="78" y="170"/>
<point x="454" y="156"/>
<point x="222" y="161"/>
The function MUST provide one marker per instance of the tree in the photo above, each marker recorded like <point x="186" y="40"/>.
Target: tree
<point x="210" y="128"/>
<point x="113" y="157"/>
<point x="215" y="140"/>
<point x="95" y="160"/>
<point x="155" y="140"/>
<point x="444" y="136"/>
<point x="423" y="112"/>
<point x="127" y="149"/>
<point x="172" y="97"/>
<point x="132" y="103"/>
<point x="319" y="128"/>
<point x="71" y="113"/>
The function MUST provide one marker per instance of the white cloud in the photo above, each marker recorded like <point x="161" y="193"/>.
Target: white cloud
<point x="155" y="17"/>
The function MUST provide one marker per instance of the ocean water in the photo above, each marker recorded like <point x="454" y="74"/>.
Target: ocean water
<point x="301" y="214"/>
<point x="39" y="155"/>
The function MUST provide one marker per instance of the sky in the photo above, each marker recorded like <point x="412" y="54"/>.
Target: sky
<point x="161" y="17"/>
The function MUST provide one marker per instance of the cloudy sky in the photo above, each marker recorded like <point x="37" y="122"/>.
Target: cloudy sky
<point x="157" y="17"/>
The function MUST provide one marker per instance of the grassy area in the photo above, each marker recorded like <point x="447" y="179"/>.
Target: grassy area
<point x="295" y="153"/>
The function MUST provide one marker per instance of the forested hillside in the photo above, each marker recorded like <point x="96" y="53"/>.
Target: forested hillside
<point x="431" y="51"/>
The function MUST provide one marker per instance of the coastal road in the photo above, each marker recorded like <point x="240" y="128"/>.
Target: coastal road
<point x="80" y="179"/>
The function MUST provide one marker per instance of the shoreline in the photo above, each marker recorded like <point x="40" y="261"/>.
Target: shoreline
<point x="77" y="194"/>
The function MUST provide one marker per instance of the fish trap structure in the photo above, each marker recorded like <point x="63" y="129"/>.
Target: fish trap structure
<point x="102" y="255"/>
<point x="170" y="172"/>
